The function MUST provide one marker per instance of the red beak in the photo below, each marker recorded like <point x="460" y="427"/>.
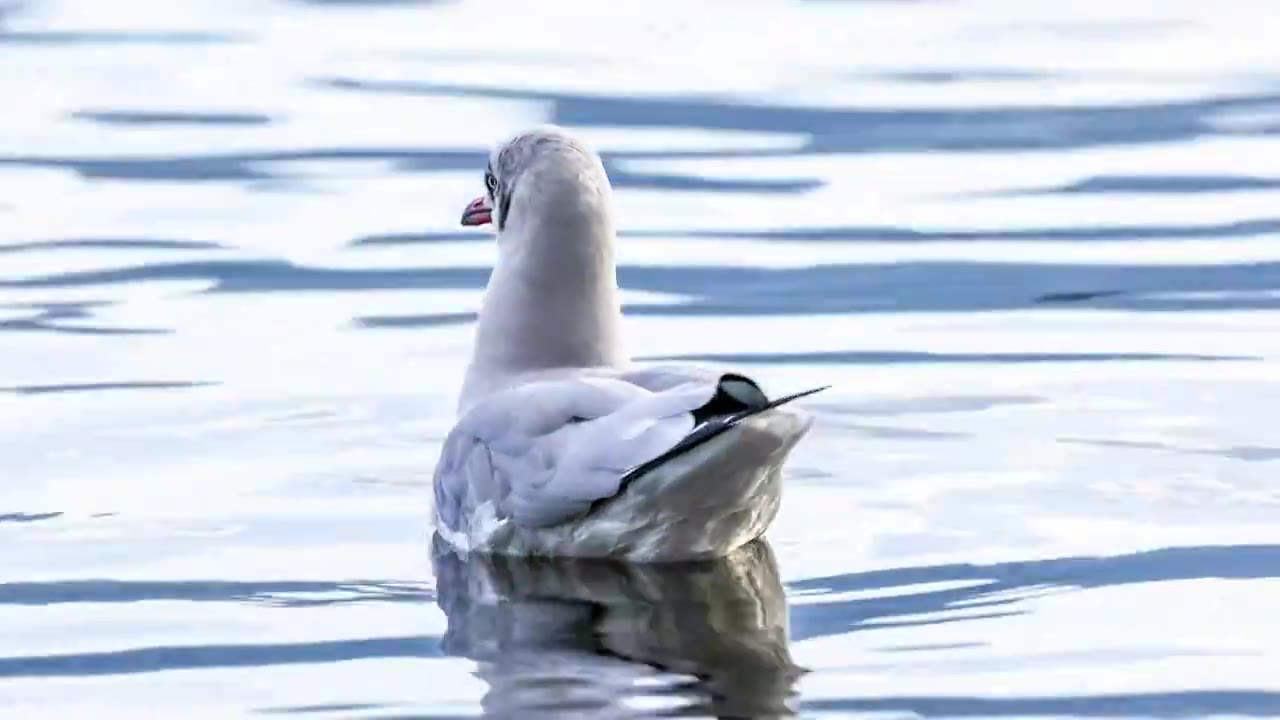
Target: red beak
<point x="478" y="212"/>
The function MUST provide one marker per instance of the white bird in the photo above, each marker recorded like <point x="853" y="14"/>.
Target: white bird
<point x="561" y="447"/>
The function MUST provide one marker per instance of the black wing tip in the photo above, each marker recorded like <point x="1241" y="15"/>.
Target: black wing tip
<point x="796" y="396"/>
<point x="711" y="429"/>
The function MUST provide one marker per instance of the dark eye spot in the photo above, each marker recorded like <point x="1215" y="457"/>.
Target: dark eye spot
<point x="491" y="182"/>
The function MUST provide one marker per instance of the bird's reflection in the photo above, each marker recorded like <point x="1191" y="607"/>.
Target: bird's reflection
<point x="559" y="638"/>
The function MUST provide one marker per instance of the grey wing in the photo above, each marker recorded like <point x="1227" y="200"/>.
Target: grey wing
<point x="463" y="478"/>
<point x="543" y="454"/>
<point x="659" y="378"/>
<point x="513" y="475"/>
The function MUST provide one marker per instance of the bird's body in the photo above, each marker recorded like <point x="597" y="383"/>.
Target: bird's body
<point x="560" y="446"/>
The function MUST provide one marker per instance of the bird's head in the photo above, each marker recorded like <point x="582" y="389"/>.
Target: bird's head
<point x="542" y="174"/>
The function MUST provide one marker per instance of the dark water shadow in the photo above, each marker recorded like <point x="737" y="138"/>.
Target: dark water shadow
<point x="1152" y="185"/>
<point x="897" y="234"/>
<point x="1185" y="704"/>
<point x="326" y="708"/>
<point x="853" y="130"/>
<point x="63" y="388"/>
<point x="277" y="593"/>
<point x="257" y="168"/>
<point x="942" y="286"/>
<point x="252" y="275"/>
<point x="412" y="238"/>
<point x="201" y="657"/>
<point x="76" y="38"/>
<point x="829" y="130"/>
<point x="554" y="635"/>
<point x="622" y="177"/>
<point x="931" y="647"/>
<point x="283" y="594"/>
<point x="1247" y="453"/>
<point x="418" y="238"/>
<point x="140" y="118"/>
<point x="240" y="167"/>
<point x="109" y="244"/>
<point x="374" y="3"/>
<point x="1079" y="233"/>
<point x="26" y="518"/>
<point x="52" y="316"/>
<point x="956" y="75"/>
<point x="995" y="589"/>
<point x="409" y="322"/>
<point x="890" y="357"/>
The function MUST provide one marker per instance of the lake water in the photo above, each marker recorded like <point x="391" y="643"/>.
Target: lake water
<point x="1032" y="245"/>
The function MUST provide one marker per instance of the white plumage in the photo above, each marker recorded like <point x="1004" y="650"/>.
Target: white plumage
<point x="562" y="448"/>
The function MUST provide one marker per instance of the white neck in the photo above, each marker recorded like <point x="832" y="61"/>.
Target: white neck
<point x="551" y="303"/>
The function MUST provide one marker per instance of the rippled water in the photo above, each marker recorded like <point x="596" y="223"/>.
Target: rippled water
<point x="1033" y="245"/>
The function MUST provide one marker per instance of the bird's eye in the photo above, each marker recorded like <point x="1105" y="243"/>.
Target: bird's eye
<point x="491" y="182"/>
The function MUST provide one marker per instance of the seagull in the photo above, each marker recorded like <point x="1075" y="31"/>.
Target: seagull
<point x="561" y="445"/>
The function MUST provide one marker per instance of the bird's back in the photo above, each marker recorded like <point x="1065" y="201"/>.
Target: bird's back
<point x="561" y="466"/>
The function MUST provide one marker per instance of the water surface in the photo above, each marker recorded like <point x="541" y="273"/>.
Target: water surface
<point x="1033" y="246"/>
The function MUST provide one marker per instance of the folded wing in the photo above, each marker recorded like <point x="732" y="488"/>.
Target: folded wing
<point x="543" y="452"/>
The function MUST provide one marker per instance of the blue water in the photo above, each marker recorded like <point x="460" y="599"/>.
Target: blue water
<point x="1032" y="246"/>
